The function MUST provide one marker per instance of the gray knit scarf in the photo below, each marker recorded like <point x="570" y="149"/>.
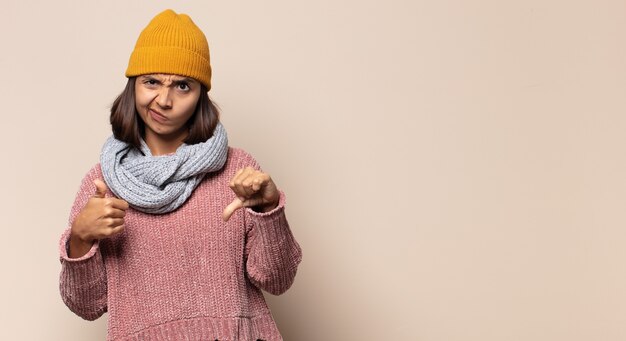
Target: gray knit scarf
<point x="160" y="184"/>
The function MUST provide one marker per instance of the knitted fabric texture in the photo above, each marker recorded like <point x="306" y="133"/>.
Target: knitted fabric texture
<point x="160" y="184"/>
<point x="185" y="275"/>
<point x="171" y="43"/>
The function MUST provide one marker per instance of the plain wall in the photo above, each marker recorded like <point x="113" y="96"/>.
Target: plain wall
<point x="455" y="170"/>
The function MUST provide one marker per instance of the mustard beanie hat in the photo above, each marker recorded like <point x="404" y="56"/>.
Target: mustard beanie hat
<point x="171" y="43"/>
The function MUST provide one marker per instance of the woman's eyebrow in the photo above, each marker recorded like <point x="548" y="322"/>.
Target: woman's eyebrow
<point x="151" y="77"/>
<point x="174" y="82"/>
<point x="183" y="80"/>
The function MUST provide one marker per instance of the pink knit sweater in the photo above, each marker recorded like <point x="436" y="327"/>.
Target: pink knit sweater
<point x="185" y="275"/>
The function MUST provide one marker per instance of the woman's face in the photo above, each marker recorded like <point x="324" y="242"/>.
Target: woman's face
<point x="165" y="103"/>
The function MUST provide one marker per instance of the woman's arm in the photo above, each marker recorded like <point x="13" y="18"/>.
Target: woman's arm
<point x="82" y="282"/>
<point x="272" y="252"/>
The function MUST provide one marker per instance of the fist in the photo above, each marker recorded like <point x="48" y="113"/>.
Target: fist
<point x="253" y="189"/>
<point x="101" y="217"/>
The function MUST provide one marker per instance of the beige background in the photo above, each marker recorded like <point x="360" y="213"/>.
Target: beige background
<point x="455" y="170"/>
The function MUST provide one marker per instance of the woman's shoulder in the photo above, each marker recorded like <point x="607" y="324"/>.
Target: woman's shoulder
<point x="238" y="153"/>
<point x="240" y="158"/>
<point x="86" y="184"/>
<point x="95" y="172"/>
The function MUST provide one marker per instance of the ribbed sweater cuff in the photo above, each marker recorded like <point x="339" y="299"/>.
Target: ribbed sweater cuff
<point x="83" y="281"/>
<point x="64" y="246"/>
<point x="273" y="213"/>
<point x="275" y="254"/>
<point x="271" y="227"/>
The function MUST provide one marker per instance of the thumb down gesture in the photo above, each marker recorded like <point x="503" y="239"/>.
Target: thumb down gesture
<point x="253" y="189"/>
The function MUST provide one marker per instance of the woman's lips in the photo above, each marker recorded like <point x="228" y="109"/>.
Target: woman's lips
<point x="157" y="116"/>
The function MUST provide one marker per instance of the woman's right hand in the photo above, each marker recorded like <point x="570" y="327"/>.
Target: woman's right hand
<point x="100" y="218"/>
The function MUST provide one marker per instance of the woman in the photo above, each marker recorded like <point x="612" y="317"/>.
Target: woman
<point x="175" y="233"/>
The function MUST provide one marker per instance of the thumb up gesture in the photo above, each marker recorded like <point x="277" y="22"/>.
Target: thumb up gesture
<point x="254" y="189"/>
<point x="101" y="217"/>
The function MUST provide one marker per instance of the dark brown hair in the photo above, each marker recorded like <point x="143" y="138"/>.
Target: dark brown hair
<point x="128" y="127"/>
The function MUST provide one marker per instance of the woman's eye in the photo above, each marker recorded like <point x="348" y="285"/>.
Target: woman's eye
<point x="151" y="82"/>
<point x="183" y="86"/>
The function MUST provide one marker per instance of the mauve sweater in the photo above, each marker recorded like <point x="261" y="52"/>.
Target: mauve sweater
<point x="184" y="275"/>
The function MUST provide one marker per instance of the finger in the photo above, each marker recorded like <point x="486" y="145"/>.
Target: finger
<point x="118" y="203"/>
<point x="101" y="188"/>
<point x="255" y="181"/>
<point x="253" y="202"/>
<point x="242" y="184"/>
<point x="239" y="187"/>
<point x="114" y="222"/>
<point x="116" y="230"/>
<point x="260" y="181"/>
<point x="112" y="212"/>
<point x="247" y="184"/>
<point x="231" y="208"/>
<point x="234" y="182"/>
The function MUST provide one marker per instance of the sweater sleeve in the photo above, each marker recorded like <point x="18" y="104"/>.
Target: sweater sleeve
<point x="272" y="253"/>
<point x="82" y="281"/>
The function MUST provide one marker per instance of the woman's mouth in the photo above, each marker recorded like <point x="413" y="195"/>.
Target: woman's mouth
<point x="157" y="116"/>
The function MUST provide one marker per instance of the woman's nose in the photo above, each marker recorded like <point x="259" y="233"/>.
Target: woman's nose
<point x="163" y="99"/>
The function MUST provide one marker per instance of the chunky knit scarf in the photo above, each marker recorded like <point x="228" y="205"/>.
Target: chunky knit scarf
<point x="160" y="184"/>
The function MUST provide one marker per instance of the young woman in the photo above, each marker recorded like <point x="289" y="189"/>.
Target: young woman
<point x="175" y="233"/>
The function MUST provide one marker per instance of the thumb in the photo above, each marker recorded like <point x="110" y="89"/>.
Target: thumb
<point x="101" y="188"/>
<point x="231" y="208"/>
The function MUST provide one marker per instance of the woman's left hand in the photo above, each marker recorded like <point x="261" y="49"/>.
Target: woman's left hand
<point x="254" y="189"/>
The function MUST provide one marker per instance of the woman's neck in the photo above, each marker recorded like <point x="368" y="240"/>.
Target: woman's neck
<point x="163" y="144"/>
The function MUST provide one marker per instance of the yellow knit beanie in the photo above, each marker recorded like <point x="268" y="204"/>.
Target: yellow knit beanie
<point x="171" y="43"/>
